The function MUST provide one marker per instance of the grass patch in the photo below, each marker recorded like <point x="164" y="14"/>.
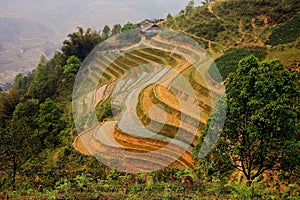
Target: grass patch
<point x="104" y="111"/>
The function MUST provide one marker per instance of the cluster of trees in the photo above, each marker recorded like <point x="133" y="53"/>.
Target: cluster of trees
<point x="33" y="113"/>
<point x="36" y="113"/>
<point x="81" y="43"/>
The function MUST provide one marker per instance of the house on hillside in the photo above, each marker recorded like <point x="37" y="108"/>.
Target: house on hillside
<point x="149" y="28"/>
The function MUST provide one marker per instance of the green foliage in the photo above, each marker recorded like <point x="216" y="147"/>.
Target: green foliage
<point x="262" y="118"/>
<point x="276" y="11"/>
<point x="46" y="79"/>
<point x="209" y="30"/>
<point x="81" y="43"/>
<point x="259" y="22"/>
<point x="83" y="180"/>
<point x="17" y="141"/>
<point x="285" y="33"/>
<point x="64" y="185"/>
<point x="21" y="83"/>
<point x="116" y="29"/>
<point x="105" y="32"/>
<point x="49" y="123"/>
<point x="228" y="63"/>
<point x="242" y="191"/>
<point x="104" y="111"/>
<point x="189" y="7"/>
<point x="128" y="26"/>
<point x="8" y="102"/>
<point x="36" y="127"/>
<point x="73" y="65"/>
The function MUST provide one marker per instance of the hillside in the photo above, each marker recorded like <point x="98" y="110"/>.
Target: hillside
<point x="229" y="30"/>
<point x="145" y="102"/>
<point x="43" y="25"/>
<point x="179" y="132"/>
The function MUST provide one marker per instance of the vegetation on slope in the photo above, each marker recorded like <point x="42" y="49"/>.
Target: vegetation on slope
<point x="228" y="62"/>
<point x="222" y="26"/>
<point x="285" y="33"/>
<point x="37" y="130"/>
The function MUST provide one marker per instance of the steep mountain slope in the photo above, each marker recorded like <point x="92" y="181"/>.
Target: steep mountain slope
<point x="40" y="107"/>
<point x="158" y="92"/>
<point x="270" y="27"/>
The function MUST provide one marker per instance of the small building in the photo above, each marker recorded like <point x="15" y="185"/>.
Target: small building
<point x="149" y="28"/>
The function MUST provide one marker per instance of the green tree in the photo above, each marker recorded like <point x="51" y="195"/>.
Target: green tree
<point x="21" y="83"/>
<point x="116" y="29"/>
<point x="105" y="32"/>
<point x="70" y="71"/>
<point x="189" y="7"/>
<point x="49" y="123"/>
<point x="128" y="26"/>
<point x="72" y="66"/>
<point x="40" y="87"/>
<point x="18" y="139"/>
<point x="169" y="16"/>
<point x="81" y="43"/>
<point x="8" y="102"/>
<point x="46" y="79"/>
<point x="261" y="130"/>
<point x="170" y="20"/>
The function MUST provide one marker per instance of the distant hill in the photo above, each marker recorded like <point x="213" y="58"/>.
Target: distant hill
<point x="232" y="29"/>
<point x="33" y="27"/>
<point x="22" y="42"/>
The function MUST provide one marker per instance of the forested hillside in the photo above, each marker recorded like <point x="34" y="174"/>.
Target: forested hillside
<point x="256" y="157"/>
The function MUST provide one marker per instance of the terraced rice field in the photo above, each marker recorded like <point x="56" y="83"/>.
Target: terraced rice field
<point x="162" y="100"/>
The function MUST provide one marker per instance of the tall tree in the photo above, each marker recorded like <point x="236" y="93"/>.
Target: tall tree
<point x="81" y="43"/>
<point x="116" y="29"/>
<point x="49" y="123"/>
<point x="72" y="66"/>
<point x="17" y="140"/>
<point x="21" y="83"/>
<point x="105" y="32"/>
<point x="8" y="102"/>
<point x="262" y="124"/>
<point x="189" y="7"/>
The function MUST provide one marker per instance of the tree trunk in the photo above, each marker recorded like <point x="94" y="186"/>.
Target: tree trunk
<point x="14" y="173"/>
<point x="249" y="183"/>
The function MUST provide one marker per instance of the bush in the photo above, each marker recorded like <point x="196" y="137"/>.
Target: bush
<point x="104" y="111"/>
<point x="229" y="62"/>
<point x="242" y="191"/>
<point x="286" y="33"/>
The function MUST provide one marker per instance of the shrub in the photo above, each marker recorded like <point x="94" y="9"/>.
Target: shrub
<point x="229" y="62"/>
<point x="285" y="33"/>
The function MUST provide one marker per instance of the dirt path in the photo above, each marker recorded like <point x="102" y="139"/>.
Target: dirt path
<point x="244" y="33"/>
<point x="210" y="8"/>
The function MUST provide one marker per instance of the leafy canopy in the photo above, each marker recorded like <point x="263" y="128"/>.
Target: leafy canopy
<point x="263" y="116"/>
<point x="261" y="130"/>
